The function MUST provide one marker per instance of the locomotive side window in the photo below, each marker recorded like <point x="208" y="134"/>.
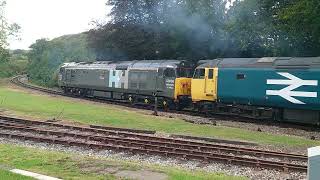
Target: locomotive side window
<point x="199" y="74"/>
<point x="210" y="76"/>
<point x="123" y="73"/>
<point x="241" y="76"/>
<point x="169" y="72"/>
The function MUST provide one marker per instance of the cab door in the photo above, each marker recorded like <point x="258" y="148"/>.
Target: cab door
<point x="209" y="82"/>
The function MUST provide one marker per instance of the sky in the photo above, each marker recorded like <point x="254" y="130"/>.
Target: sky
<point x="52" y="18"/>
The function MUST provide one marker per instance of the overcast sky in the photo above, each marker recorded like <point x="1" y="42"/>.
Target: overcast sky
<point x="52" y="18"/>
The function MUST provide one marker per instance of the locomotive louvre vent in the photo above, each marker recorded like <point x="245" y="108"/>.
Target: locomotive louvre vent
<point x="142" y="85"/>
<point x="293" y="63"/>
<point x="292" y="67"/>
<point x="134" y="85"/>
<point x="316" y="62"/>
<point x="267" y="60"/>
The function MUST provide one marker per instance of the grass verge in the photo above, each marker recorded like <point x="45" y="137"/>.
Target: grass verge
<point x="48" y="107"/>
<point x="75" y="166"/>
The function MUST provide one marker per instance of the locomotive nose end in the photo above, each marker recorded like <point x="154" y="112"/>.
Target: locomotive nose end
<point x="182" y="87"/>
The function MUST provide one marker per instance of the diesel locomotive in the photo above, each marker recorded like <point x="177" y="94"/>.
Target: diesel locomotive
<point x="279" y="88"/>
<point x="284" y="89"/>
<point x="132" y="81"/>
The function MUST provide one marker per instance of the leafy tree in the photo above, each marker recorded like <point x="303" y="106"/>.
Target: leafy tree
<point x="202" y="29"/>
<point x="301" y="20"/>
<point x="19" y="54"/>
<point x="6" y="30"/>
<point x="187" y="29"/>
<point x="8" y="68"/>
<point x="158" y="29"/>
<point x="258" y="28"/>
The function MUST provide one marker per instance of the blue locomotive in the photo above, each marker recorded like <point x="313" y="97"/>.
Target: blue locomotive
<point x="285" y="89"/>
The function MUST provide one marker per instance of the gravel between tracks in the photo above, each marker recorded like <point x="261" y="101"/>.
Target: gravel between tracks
<point x="154" y="160"/>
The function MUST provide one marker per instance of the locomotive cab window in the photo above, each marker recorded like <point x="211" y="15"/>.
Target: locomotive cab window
<point x="210" y="75"/>
<point x="184" y="72"/>
<point x="241" y="76"/>
<point x="169" y="72"/>
<point x="160" y="72"/>
<point x="199" y="74"/>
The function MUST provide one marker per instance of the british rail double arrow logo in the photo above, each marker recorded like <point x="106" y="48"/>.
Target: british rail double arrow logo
<point x="293" y="83"/>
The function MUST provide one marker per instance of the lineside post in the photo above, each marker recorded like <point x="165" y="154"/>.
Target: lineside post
<point x="155" y="95"/>
<point x="155" y="112"/>
<point x="314" y="163"/>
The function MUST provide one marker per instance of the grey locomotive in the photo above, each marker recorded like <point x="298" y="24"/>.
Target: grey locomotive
<point x="134" y="81"/>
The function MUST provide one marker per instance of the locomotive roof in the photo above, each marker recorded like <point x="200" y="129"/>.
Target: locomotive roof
<point x="265" y="62"/>
<point x="122" y="65"/>
<point x="158" y="63"/>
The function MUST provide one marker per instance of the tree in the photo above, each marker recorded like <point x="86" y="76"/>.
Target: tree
<point x="46" y="56"/>
<point x="6" y="30"/>
<point x="258" y="28"/>
<point x="301" y="20"/>
<point x="158" y="29"/>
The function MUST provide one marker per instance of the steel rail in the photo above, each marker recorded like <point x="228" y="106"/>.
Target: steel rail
<point x="174" y="142"/>
<point x="139" y="143"/>
<point x="167" y="153"/>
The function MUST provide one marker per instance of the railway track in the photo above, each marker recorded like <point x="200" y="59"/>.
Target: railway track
<point x="17" y="81"/>
<point x="229" y="117"/>
<point x="139" y="142"/>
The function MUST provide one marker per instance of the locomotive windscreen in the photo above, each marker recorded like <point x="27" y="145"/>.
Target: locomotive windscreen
<point x="184" y="72"/>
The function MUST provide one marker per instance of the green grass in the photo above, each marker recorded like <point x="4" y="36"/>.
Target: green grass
<point x="11" y="176"/>
<point x="75" y="166"/>
<point x="48" y="107"/>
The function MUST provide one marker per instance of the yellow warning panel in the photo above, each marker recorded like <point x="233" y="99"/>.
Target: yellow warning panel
<point x="204" y="84"/>
<point x="182" y="87"/>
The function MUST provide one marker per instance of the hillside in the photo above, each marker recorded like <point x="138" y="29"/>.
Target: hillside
<point x="46" y="56"/>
